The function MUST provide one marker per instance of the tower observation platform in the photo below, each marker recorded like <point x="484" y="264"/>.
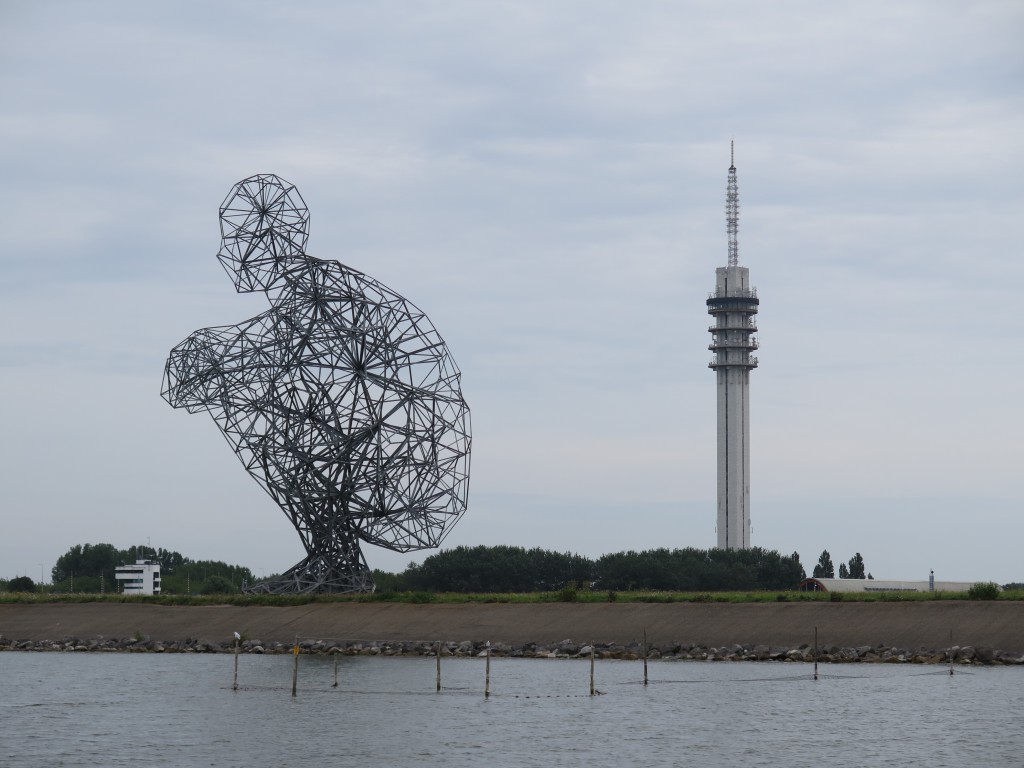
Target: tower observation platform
<point x="733" y="305"/>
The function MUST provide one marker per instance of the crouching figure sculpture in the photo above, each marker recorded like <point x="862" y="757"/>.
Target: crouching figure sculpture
<point x="341" y="400"/>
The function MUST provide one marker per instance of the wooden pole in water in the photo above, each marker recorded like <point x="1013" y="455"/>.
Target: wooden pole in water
<point x="487" y="681"/>
<point x="234" y="683"/>
<point x="336" y="654"/>
<point x="592" y="689"/>
<point x="295" y="669"/>
<point x="646" y="652"/>
<point x="438" y="666"/>
<point x="815" y="653"/>
<point x="950" y="651"/>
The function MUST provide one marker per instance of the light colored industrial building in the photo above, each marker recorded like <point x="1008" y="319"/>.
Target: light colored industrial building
<point x="882" y="585"/>
<point x="142" y="578"/>
<point x="733" y="305"/>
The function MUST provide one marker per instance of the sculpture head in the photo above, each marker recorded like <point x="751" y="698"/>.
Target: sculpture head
<point x="264" y="225"/>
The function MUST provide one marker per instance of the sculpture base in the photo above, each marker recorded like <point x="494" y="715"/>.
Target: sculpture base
<point x="315" y="575"/>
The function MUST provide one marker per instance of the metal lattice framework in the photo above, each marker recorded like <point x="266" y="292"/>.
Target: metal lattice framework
<point x="732" y="209"/>
<point x="341" y="400"/>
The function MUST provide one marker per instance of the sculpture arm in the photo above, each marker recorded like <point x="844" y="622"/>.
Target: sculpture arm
<point x="215" y="365"/>
<point x="194" y="374"/>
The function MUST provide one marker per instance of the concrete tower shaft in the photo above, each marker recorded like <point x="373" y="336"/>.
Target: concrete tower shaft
<point x="733" y="304"/>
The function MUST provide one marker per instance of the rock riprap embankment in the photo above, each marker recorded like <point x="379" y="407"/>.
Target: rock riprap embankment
<point x="566" y="649"/>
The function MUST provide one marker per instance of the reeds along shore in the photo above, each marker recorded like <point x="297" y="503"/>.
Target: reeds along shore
<point x="567" y="649"/>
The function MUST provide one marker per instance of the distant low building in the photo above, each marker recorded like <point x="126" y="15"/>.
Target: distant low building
<point x="881" y="585"/>
<point x="142" y="578"/>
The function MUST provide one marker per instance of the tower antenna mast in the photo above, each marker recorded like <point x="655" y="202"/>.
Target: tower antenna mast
<point x="732" y="209"/>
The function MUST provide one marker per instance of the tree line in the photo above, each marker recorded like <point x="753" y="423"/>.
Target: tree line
<point x="502" y="568"/>
<point x="516" y="569"/>
<point x="90" y="568"/>
<point x="852" y="570"/>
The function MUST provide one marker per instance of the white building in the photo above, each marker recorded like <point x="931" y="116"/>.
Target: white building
<point x="882" y="585"/>
<point x="143" y="578"/>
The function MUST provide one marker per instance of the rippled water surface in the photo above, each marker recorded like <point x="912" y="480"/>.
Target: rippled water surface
<point x="91" y="709"/>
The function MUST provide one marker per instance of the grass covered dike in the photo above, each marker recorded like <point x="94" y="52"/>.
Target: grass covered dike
<point x="567" y="595"/>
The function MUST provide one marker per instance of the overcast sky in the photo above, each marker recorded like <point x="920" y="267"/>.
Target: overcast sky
<point x="546" y="180"/>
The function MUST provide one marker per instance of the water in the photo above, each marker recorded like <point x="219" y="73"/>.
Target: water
<point x="138" y="710"/>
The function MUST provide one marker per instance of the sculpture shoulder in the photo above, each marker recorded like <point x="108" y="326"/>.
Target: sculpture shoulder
<point x="307" y="279"/>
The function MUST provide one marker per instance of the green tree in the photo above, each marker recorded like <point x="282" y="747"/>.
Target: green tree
<point x="795" y="557"/>
<point x="698" y="570"/>
<point x="824" y="569"/>
<point x="21" y="584"/>
<point x="87" y="561"/>
<point x="218" y="585"/>
<point x="194" y="576"/>
<point x="390" y="582"/>
<point x="857" y="567"/>
<point x="514" y="569"/>
<point x="844" y="572"/>
<point x="497" y="569"/>
<point x="90" y="568"/>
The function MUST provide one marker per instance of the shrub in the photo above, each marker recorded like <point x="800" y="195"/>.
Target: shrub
<point x="835" y="597"/>
<point x="218" y="585"/>
<point x="380" y="596"/>
<point x="985" y="590"/>
<point x="567" y="595"/>
<point x="659" y="597"/>
<point x="21" y="584"/>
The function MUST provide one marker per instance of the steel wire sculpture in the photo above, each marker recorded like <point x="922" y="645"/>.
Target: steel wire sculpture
<point x="341" y="400"/>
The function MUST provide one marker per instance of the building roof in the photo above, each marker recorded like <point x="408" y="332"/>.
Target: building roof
<point x="881" y="585"/>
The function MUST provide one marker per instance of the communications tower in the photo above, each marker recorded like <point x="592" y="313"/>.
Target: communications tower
<point x="733" y="305"/>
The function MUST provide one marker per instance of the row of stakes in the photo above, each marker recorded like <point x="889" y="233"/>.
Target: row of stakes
<point x="487" y="666"/>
